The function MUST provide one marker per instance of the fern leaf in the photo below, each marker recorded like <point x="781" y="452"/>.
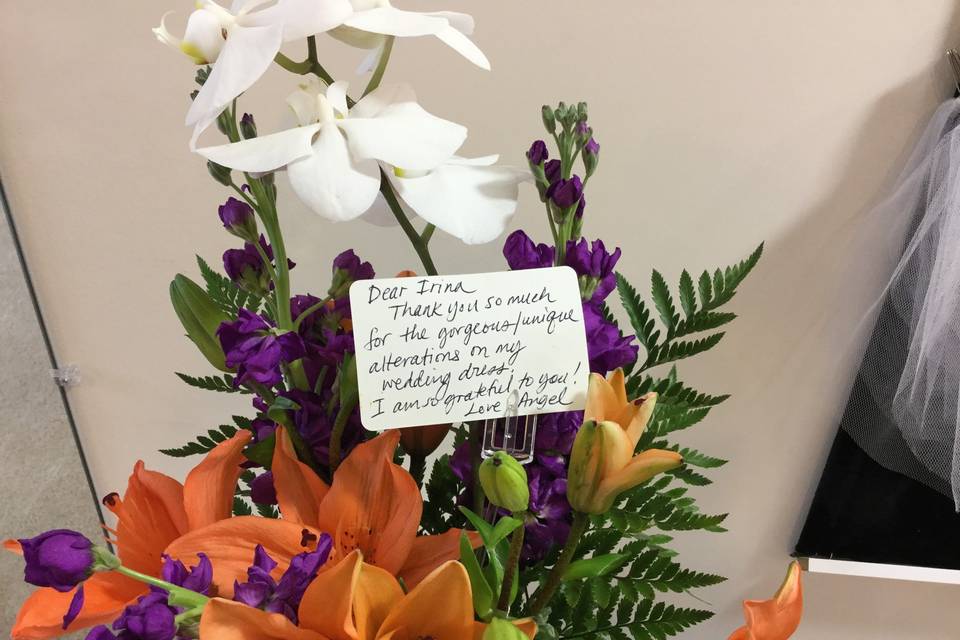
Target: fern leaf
<point x="673" y="351"/>
<point x="688" y="298"/>
<point x="663" y="300"/>
<point x="222" y="384"/>
<point x="702" y="321"/>
<point x="643" y="325"/>
<point x="725" y="282"/>
<point x="203" y="443"/>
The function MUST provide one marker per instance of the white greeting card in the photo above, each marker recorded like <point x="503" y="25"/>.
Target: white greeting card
<point x="442" y="349"/>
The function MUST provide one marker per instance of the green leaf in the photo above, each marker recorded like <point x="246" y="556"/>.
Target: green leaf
<point x="262" y="452"/>
<point x="203" y="443"/>
<point x="223" y="384"/>
<point x="725" y="282"/>
<point x="702" y="321"/>
<point x="484" y="528"/>
<point x="240" y="507"/>
<point x="663" y="300"/>
<point x="643" y="326"/>
<point x="595" y="567"/>
<point x="504" y="527"/>
<point x="673" y="351"/>
<point x="688" y="297"/>
<point x="482" y="591"/>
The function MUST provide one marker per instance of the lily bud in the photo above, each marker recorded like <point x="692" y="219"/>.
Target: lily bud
<point x="422" y="441"/>
<point x="504" y="482"/>
<point x="220" y="173"/>
<point x="500" y="629"/>
<point x="549" y="119"/>
<point x="238" y="218"/>
<point x="200" y="317"/>
<point x="602" y="464"/>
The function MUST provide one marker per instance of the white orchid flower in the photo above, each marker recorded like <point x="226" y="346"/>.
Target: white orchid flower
<point x="373" y="20"/>
<point x="242" y="42"/>
<point x="471" y="199"/>
<point x="332" y="157"/>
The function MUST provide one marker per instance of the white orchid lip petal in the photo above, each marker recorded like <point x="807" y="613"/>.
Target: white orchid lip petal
<point x="203" y="37"/>
<point x="264" y="153"/>
<point x="471" y="202"/>
<point x="246" y="55"/>
<point x="337" y="96"/>
<point x="330" y="182"/>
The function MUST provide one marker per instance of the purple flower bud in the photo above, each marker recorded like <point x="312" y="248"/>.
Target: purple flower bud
<point x="566" y="193"/>
<point x="592" y="147"/>
<point x="582" y="128"/>
<point x="552" y="170"/>
<point x="538" y="153"/>
<point x="237" y="218"/>
<point x="100" y="632"/>
<point x="262" y="490"/>
<point x="522" y="253"/>
<point x="347" y="269"/>
<point x="248" y="127"/>
<point x="151" y="618"/>
<point x="60" y="559"/>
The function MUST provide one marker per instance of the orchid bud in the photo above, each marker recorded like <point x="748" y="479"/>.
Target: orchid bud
<point x="504" y="482"/>
<point x="248" y="127"/>
<point x="549" y="119"/>
<point x="220" y="173"/>
<point x="238" y="219"/>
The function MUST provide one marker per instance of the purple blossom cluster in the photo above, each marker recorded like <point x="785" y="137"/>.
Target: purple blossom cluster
<point x="152" y="617"/>
<point x="300" y="366"/>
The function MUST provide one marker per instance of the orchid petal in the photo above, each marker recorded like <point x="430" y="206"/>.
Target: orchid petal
<point x="404" y="135"/>
<point x="395" y="22"/>
<point x="337" y="96"/>
<point x="372" y="59"/>
<point x="472" y="203"/>
<point x="330" y="182"/>
<point x="379" y="100"/>
<point x="304" y="102"/>
<point x="264" y="153"/>
<point x="246" y="55"/>
<point x="462" y="22"/>
<point x="203" y="38"/>
<point x="380" y="215"/>
<point x="302" y="18"/>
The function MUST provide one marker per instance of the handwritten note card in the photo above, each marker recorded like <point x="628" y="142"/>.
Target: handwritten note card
<point x="442" y="349"/>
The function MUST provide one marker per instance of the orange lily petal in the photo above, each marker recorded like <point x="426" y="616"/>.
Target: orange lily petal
<point x="208" y="490"/>
<point x="13" y="546"/>
<point x="105" y="596"/>
<point x="299" y="489"/>
<point x="440" y="607"/>
<point x="639" y="417"/>
<point x="230" y="545"/>
<point x="378" y="592"/>
<point x="429" y="552"/>
<point x="226" y="620"/>
<point x="527" y="626"/>
<point x="641" y="468"/>
<point x="150" y="517"/>
<point x="601" y="399"/>
<point x="618" y="383"/>
<point x="373" y="505"/>
<point x="777" y="618"/>
<point x="327" y="604"/>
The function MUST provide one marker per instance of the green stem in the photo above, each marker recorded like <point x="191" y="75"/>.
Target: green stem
<point x="415" y="239"/>
<point x="513" y="561"/>
<point x="268" y="265"/>
<point x="268" y="214"/>
<point x="381" y="67"/>
<point x="299" y="68"/>
<point x="179" y="596"/>
<point x="553" y="225"/>
<point x="580" y="523"/>
<point x="418" y="467"/>
<point x="336" y="436"/>
<point x="243" y="194"/>
<point x="427" y="233"/>
<point x="305" y="314"/>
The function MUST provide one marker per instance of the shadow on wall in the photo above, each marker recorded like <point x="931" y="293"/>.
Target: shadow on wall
<point x="838" y="245"/>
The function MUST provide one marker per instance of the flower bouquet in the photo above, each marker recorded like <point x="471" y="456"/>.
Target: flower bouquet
<point x="299" y="523"/>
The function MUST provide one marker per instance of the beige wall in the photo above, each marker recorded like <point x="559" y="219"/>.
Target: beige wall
<point x="722" y="124"/>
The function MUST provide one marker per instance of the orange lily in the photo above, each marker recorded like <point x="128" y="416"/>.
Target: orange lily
<point x="777" y="618"/>
<point x="374" y="505"/>
<point x="602" y="464"/>
<point x="155" y="510"/>
<point x="354" y="600"/>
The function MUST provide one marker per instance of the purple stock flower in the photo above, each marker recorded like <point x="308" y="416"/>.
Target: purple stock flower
<point x="315" y="424"/>
<point x="197" y="579"/>
<point x="151" y="618"/>
<point x="592" y="147"/>
<point x="521" y="252"/>
<point x="60" y="559"/>
<point x="555" y="435"/>
<point x="262" y="490"/>
<point x="261" y="591"/>
<point x="237" y="218"/>
<point x="347" y="269"/>
<point x="549" y="506"/>
<point x="566" y="193"/>
<point x="607" y="347"/>
<point x="595" y="267"/>
<point x="254" y="351"/>
<point x="538" y="153"/>
<point x="245" y="266"/>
